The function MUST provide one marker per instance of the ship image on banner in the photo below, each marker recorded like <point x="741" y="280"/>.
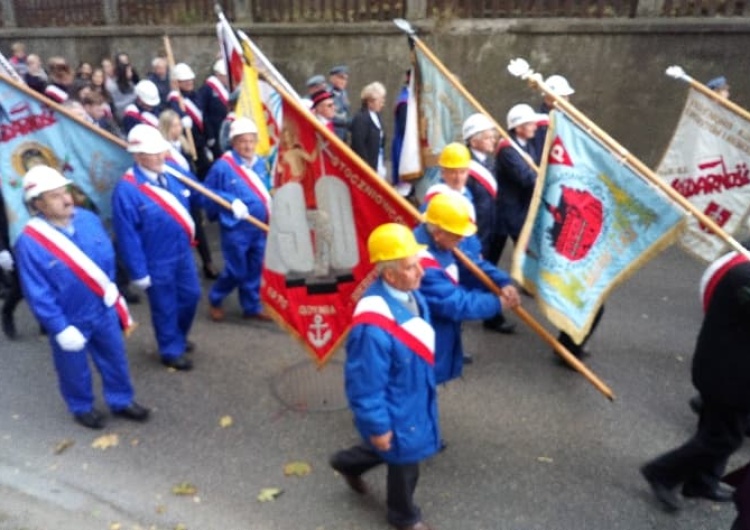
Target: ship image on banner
<point x="707" y="163"/>
<point x="325" y="206"/>
<point x="593" y="221"/>
<point x="33" y="132"/>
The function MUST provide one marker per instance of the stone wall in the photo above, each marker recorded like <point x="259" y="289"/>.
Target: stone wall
<point x="616" y="66"/>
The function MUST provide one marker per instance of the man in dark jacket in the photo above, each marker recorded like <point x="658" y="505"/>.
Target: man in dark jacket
<point x="721" y="373"/>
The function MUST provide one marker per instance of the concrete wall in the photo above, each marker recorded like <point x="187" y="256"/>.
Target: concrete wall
<point x="616" y="66"/>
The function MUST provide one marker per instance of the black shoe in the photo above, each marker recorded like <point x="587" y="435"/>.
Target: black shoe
<point x="209" y="272"/>
<point x="9" y="327"/>
<point x="696" y="404"/>
<point x="720" y="493"/>
<point x="42" y="331"/>
<point x="443" y="445"/>
<point x="134" y="412"/>
<point x="131" y="297"/>
<point x="468" y="359"/>
<point x="178" y="363"/>
<point x="92" y="419"/>
<point x="665" y="495"/>
<point x="499" y="326"/>
<point x="189" y="346"/>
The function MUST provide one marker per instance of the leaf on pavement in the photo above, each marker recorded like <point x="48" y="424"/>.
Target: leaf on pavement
<point x="115" y="526"/>
<point x="106" y="441"/>
<point x="545" y="459"/>
<point x="226" y="421"/>
<point x="297" y="468"/>
<point x="180" y="526"/>
<point x="63" y="445"/>
<point x="184" y="488"/>
<point x="269" y="494"/>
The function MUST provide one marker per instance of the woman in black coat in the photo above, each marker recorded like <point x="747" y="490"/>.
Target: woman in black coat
<point x="367" y="134"/>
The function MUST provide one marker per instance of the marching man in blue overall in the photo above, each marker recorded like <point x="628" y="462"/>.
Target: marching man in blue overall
<point x="155" y="232"/>
<point x="390" y="377"/>
<point x="67" y="268"/>
<point x="241" y="177"/>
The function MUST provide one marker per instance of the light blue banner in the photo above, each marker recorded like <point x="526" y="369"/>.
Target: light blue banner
<point x="592" y="223"/>
<point x="32" y="133"/>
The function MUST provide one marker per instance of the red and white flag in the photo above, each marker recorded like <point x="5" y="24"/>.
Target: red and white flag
<point x="231" y="51"/>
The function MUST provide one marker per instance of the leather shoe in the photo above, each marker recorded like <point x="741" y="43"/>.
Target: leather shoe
<point x="9" y="327"/>
<point x="419" y="525"/>
<point x="92" y="419"/>
<point x="189" y="346"/>
<point x="209" y="272"/>
<point x="178" y="363"/>
<point x="720" y="493"/>
<point x="262" y="317"/>
<point x="499" y="326"/>
<point x="696" y="404"/>
<point x="356" y="483"/>
<point x="216" y="313"/>
<point x="665" y="495"/>
<point x="468" y="358"/>
<point x="134" y="412"/>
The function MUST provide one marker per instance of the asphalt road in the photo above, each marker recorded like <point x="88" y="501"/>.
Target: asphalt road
<point x="532" y="446"/>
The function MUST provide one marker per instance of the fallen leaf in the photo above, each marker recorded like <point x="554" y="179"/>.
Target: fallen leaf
<point x="106" y="441"/>
<point x="115" y="526"/>
<point x="297" y="468"/>
<point x="160" y="509"/>
<point x="180" y="526"/>
<point x="225" y="421"/>
<point x="269" y="494"/>
<point x="544" y="459"/>
<point x="184" y="488"/>
<point x="134" y="442"/>
<point x="63" y="445"/>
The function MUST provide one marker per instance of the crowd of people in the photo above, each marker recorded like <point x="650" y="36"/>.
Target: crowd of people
<point x="406" y="334"/>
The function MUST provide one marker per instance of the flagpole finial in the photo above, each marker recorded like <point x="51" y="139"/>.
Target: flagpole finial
<point x="404" y="26"/>
<point x="520" y="68"/>
<point x="217" y="9"/>
<point x="678" y="73"/>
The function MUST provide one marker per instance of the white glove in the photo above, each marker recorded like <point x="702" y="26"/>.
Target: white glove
<point x="111" y="294"/>
<point x="70" y="339"/>
<point x="239" y="209"/>
<point x="143" y="283"/>
<point x="187" y="122"/>
<point x="6" y="261"/>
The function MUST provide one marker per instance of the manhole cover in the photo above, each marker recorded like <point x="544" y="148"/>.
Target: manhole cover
<point x="304" y="386"/>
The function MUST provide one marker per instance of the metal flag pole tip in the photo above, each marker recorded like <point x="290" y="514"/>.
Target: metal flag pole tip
<point x="217" y="8"/>
<point x="404" y="26"/>
<point x="678" y="73"/>
<point x="519" y="68"/>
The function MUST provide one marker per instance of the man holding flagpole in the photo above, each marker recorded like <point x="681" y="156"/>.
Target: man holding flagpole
<point x="67" y="267"/>
<point x="155" y="231"/>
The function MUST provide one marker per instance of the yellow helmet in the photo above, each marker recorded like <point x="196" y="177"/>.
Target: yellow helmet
<point x="451" y="212"/>
<point x="392" y="241"/>
<point x="454" y="156"/>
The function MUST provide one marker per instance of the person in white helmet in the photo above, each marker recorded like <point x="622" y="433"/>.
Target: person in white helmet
<point x="241" y="177"/>
<point x="155" y="234"/>
<point x="213" y="100"/>
<point x="145" y="109"/>
<point x="192" y="116"/>
<point x="561" y="88"/>
<point x="67" y="267"/>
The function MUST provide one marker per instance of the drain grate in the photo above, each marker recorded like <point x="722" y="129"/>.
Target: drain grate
<point x="303" y="386"/>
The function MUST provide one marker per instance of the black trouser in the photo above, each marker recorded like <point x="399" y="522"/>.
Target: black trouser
<point x="700" y="462"/>
<point x="401" y="482"/>
<point x="204" y="251"/>
<point x="14" y="295"/>
<point x="576" y="349"/>
<point x="497" y="245"/>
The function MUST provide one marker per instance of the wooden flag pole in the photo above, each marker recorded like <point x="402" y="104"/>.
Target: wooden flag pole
<point x="520" y="68"/>
<point x="180" y="102"/>
<point x="407" y="28"/>
<point x="678" y="73"/>
<point x="393" y="194"/>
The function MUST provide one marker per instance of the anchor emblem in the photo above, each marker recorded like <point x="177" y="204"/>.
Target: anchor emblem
<point x="319" y="333"/>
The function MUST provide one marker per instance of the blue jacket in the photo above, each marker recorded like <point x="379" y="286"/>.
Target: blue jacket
<point x="450" y="304"/>
<point x="472" y="248"/>
<point x="57" y="297"/>
<point x="225" y="181"/>
<point x="391" y="388"/>
<point x="515" y="183"/>
<point x="147" y="236"/>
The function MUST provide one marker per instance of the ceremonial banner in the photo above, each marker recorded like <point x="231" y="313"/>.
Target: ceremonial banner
<point x="707" y="163"/>
<point x="326" y="205"/>
<point x="33" y="132"/>
<point x="231" y="51"/>
<point x="593" y="221"/>
<point x="410" y="160"/>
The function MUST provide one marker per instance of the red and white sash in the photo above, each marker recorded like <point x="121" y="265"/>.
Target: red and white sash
<point x="484" y="177"/>
<point x="416" y="334"/>
<point x="168" y="202"/>
<point x="82" y="266"/>
<point x="191" y="109"/>
<point x="143" y="117"/>
<point x="715" y="272"/>
<point x="218" y="88"/>
<point x="250" y="178"/>
<point x="56" y="93"/>
<point x="428" y="261"/>
<point x="442" y="187"/>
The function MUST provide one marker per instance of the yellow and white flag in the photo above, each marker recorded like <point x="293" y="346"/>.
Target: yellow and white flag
<point x="250" y="104"/>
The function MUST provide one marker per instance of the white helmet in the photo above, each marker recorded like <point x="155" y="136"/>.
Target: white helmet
<point x="476" y="123"/>
<point x="147" y="92"/>
<point x="220" y="67"/>
<point x="242" y="126"/>
<point x="521" y="114"/>
<point x="182" y="72"/>
<point x="42" y="178"/>
<point x="146" y="139"/>
<point x="559" y="85"/>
